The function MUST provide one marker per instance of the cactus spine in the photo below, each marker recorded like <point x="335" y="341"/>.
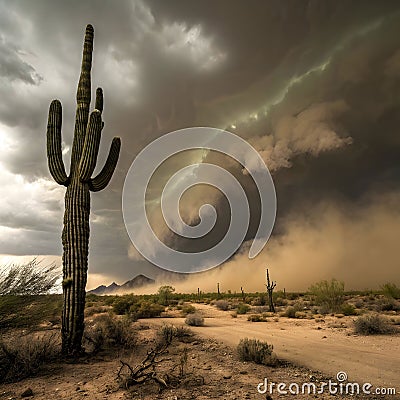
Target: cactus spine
<point x="79" y="183"/>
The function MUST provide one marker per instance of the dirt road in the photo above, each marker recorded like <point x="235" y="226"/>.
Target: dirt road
<point x="322" y="346"/>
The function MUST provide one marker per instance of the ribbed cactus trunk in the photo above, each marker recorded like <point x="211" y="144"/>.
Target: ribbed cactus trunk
<point x="75" y="235"/>
<point x="75" y="240"/>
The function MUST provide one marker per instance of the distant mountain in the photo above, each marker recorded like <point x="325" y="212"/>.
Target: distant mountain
<point x="137" y="282"/>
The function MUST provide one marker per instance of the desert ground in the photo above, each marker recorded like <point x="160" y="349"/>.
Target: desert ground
<point x="202" y="362"/>
<point x="327" y="345"/>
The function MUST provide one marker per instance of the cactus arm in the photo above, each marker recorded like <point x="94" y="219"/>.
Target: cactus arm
<point x="103" y="178"/>
<point x="83" y="97"/>
<point x="91" y="146"/>
<point x="54" y="153"/>
<point x="99" y="100"/>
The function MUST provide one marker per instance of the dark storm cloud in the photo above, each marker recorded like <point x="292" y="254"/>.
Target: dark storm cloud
<point x="322" y="78"/>
<point x="12" y="67"/>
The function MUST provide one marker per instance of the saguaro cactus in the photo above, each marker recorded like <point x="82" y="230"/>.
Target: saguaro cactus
<point x="270" y="288"/>
<point x="79" y="183"/>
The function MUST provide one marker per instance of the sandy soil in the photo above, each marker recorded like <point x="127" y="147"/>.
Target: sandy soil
<point x="326" y="345"/>
<point x="213" y="370"/>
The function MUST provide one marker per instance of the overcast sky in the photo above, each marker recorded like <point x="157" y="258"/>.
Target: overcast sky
<point x="313" y="85"/>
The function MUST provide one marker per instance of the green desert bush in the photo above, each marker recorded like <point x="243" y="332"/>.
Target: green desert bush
<point x="348" y="309"/>
<point x="188" y="309"/>
<point x="391" y="290"/>
<point x="23" y="356"/>
<point x="145" y="309"/>
<point x="328" y="295"/>
<point x="194" y="320"/>
<point x="256" y="351"/>
<point x="373" y="324"/>
<point x="122" y="304"/>
<point x="242" y="308"/>
<point x="165" y="294"/>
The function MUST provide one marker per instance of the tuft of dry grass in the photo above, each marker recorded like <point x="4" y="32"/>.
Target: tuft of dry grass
<point x="23" y="356"/>
<point x="257" y="351"/>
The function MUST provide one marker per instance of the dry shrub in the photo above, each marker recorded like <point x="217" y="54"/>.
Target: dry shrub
<point x="194" y="320"/>
<point x="280" y="301"/>
<point x="222" y="305"/>
<point x="256" y="351"/>
<point x="373" y="324"/>
<point x="92" y="310"/>
<point x="293" y="311"/>
<point x="23" y="356"/>
<point x="166" y="333"/>
<point x="256" y="318"/>
<point x="106" y="331"/>
<point x="388" y="304"/>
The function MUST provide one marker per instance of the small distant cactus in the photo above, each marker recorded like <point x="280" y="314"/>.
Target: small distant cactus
<point x="79" y="183"/>
<point x="270" y="288"/>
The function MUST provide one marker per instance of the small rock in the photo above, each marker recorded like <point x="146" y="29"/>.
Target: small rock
<point x="227" y="376"/>
<point x="27" y="393"/>
<point x="207" y="368"/>
<point x="243" y="372"/>
<point x="324" y="337"/>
